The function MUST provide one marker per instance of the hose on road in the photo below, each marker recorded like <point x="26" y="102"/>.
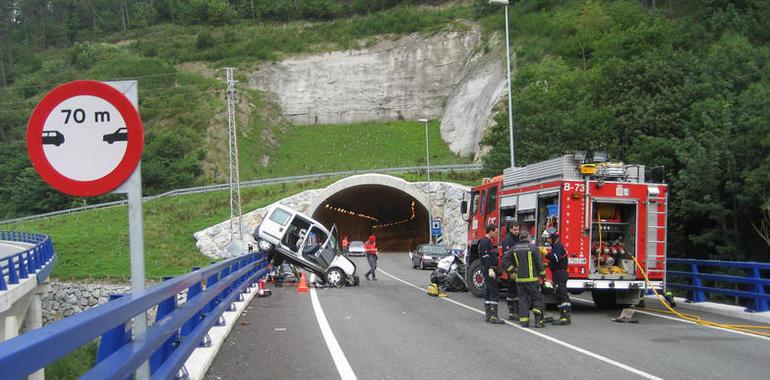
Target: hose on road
<point x="750" y="329"/>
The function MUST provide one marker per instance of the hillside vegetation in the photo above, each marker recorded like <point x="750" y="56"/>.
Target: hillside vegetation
<point x="681" y="86"/>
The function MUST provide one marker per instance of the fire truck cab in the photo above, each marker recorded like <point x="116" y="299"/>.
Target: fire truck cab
<point x="605" y="213"/>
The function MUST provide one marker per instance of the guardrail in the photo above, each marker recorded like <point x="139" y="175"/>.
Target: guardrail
<point x="259" y="182"/>
<point x="177" y="331"/>
<point x="697" y="291"/>
<point x="37" y="260"/>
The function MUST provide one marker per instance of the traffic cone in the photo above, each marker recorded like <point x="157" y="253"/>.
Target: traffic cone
<point x="302" y="287"/>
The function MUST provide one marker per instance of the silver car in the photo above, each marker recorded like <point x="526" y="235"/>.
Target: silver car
<point x="356" y="248"/>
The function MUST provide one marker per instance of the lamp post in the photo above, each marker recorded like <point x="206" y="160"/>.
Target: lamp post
<point x="508" y="67"/>
<point x="427" y="161"/>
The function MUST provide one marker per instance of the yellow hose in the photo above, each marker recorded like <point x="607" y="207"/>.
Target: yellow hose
<point x="694" y="318"/>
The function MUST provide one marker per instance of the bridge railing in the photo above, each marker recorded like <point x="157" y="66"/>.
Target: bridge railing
<point x="178" y="328"/>
<point x="34" y="261"/>
<point x="697" y="290"/>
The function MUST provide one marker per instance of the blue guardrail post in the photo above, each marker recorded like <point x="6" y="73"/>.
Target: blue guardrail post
<point x="697" y="295"/>
<point x="760" y="304"/>
<point x="164" y="308"/>
<point x="114" y="339"/>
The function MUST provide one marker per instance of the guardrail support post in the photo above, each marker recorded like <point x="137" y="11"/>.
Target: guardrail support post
<point x="3" y="285"/>
<point x="114" y="339"/>
<point x="13" y="277"/>
<point x="22" y="267"/>
<point x="697" y="295"/>
<point x="161" y="354"/>
<point x="760" y="304"/>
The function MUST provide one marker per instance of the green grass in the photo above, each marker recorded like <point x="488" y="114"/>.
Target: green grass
<point x="307" y="149"/>
<point x="74" y="365"/>
<point x="94" y="244"/>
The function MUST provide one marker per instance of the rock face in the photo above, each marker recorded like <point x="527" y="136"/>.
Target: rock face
<point x="446" y="198"/>
<point x="443" y="76"/>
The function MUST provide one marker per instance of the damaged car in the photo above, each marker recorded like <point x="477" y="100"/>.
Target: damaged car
<point x="286" y="234"/>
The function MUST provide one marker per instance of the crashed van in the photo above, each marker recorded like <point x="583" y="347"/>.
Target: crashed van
<point x="286" y="234"/>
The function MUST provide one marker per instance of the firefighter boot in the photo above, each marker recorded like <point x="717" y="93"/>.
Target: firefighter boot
<point x="524" y="321"/>
<point x="486" y="312"/>
<point x="493" y="318"/>
<point x="513" y="308"/>
<point x="538" y="317"/>
<point x="564" y="317"/>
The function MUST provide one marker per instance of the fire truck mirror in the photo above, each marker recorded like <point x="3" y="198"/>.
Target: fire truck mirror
<point x="463" y="207"/>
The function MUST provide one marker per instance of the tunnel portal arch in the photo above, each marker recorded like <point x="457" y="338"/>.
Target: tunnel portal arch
<point x="394" y="210"/>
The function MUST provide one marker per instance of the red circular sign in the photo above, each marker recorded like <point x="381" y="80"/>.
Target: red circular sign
<point x="85" y="138"/>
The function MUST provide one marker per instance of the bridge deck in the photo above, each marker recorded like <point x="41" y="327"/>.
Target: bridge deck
<point x="392" y="329"/>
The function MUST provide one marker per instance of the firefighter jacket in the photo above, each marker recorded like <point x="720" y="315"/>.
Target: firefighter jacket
<point x="488" y="253"/>
<point x="557" y="259"/>
<point x="528" y="261"/>
<point x="509" y="264"/>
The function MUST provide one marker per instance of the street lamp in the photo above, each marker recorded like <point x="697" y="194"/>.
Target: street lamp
<point x="508" y="67"/>
<point x="427" y="161"/>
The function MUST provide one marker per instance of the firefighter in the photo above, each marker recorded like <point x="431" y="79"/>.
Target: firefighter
<point x="557" y="262"/>
<point x="511" y="298"/>
<point x="488" y="253"/>
<point x="530" y="270"/>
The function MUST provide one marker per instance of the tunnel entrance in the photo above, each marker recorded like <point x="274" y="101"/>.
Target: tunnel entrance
<point x="396" y="218"/>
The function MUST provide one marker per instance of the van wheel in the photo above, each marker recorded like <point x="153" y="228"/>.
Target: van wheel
<point x="264" y="245"/>
<point x="335" y="278"/>
<point x="475" y="279"/>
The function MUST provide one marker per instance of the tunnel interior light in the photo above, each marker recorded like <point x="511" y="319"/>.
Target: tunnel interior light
<point x="352" y="213"/>
<point x="397" y="222"/>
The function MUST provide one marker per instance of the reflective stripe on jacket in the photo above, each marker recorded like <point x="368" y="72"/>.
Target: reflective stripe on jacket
<point x="528" y="262"/>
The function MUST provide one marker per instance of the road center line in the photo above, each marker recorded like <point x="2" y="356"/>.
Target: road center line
<point x="546" y="337"/>
<point x="340" y="361"/>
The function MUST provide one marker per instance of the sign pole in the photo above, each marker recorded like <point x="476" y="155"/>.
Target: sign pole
<point x="133" y="188"/>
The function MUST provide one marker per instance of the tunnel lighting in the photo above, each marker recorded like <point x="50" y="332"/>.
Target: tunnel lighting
<point x="398" y="222"/>
<point x="352" y="213"/>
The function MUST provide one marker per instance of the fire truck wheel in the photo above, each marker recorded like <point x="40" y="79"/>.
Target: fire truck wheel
<point x="475" y="279"/>
<point x="604" y="299"/>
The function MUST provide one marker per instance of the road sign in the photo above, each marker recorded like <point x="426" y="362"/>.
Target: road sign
<point x="435" y="227"/>
<point x="85" y="138"/>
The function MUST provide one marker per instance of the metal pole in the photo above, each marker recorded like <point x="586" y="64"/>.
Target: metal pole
<point x="510" y="98"/>
<point x="136" y="248"/>
<point x="430" y="203"/>
<point x="235" y="177"/>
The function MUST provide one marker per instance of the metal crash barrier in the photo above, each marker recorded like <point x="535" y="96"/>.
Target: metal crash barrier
<point x="35" y="261"/>
<point x="178" y="329"/>
<point x="697" y="291"/>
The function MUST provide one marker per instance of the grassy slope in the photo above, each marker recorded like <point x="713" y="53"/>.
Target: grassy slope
<point x="328" y="148"/>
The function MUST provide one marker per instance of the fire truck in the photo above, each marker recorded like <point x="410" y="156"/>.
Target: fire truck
<point x="605" y="214"/>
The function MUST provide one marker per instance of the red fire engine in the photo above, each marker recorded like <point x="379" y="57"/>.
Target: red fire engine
<point x="605" y="214"/>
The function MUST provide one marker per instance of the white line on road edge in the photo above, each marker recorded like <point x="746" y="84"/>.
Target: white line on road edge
<point x="340" y="361"/>
<point x="546" y="337"/>
<point x="654" y="314"/>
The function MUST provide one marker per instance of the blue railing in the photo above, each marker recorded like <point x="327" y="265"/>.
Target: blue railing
<point x="697" y="291"/>
<point x="177" y="331"/>
<point x="35" y="261"/>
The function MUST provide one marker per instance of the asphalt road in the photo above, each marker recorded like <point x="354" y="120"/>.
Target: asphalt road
<point x="390" y="329"/>
<point x="8" y="248"/>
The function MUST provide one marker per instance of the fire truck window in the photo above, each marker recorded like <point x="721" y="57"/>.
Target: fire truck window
<point x="482" y="198"/>
<point x="475" y="203"/>
<point x="491" y="200"/>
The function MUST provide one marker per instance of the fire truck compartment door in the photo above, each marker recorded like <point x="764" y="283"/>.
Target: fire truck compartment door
<point x="527" y="201"/>
<point x="508" y="202"/>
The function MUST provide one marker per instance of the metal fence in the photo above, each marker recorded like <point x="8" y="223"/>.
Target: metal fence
<point x="697" y="290"/>
<point x="259" y="182"/>
<point x="35" y="261"/>
<point x="177" y="331"/>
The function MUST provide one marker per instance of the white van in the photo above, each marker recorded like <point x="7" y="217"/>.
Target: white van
<point x="286" y="234"/>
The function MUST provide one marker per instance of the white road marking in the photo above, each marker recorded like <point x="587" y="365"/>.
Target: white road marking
<point x="653" y="314"/>
<point x="340" y="361"/>
<point x="546" y="337"/>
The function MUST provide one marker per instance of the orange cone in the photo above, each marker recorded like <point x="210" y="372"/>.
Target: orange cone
<point x="302" y="287"/>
